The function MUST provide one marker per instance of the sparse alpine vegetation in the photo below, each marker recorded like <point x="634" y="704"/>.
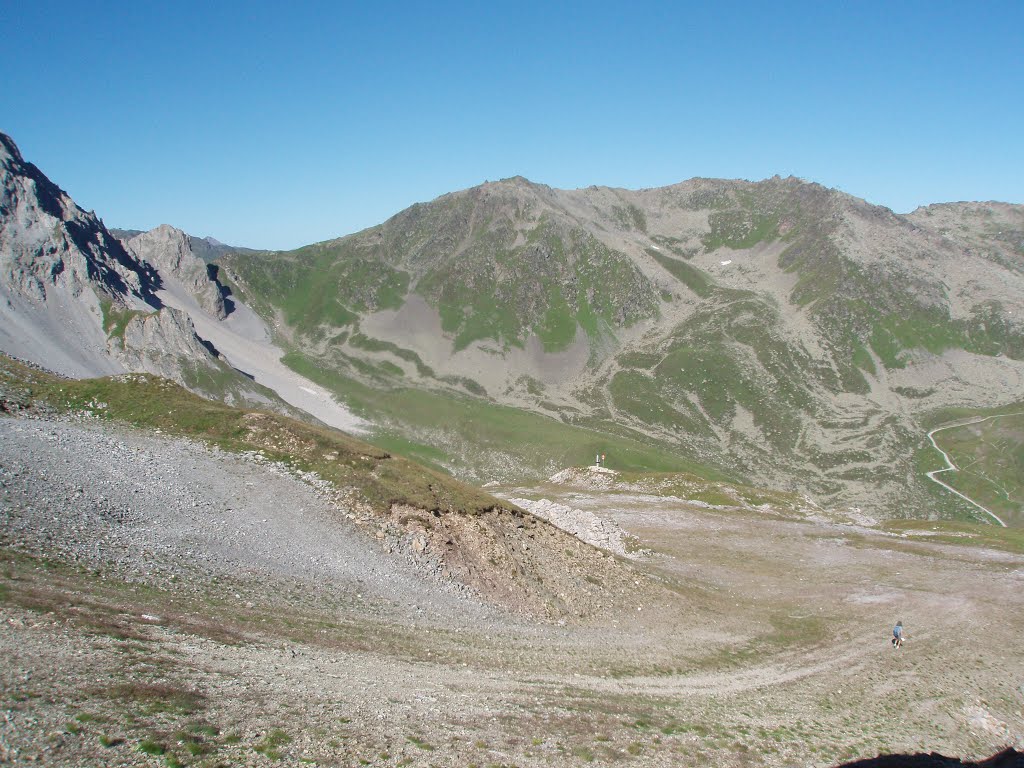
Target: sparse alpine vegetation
<point x="777" y="331"/>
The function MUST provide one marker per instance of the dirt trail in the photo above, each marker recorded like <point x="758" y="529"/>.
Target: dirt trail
<point x="950" y="467"/>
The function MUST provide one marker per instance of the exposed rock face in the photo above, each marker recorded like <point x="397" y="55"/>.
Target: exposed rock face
<point x="163" y="343"/>
<point x="74" y="300"/>
<point x="46" y="239"/>
<point x="170" y="251"/>
<point x="58" y="264"/>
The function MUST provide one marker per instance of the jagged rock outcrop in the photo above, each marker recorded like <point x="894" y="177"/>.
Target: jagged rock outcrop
<point x="47" y="240"/>
<point x="76" y="301"/>
<point x="163" y="343"/>
<point x="59" y="268"/>
<point x="170" y="251"/>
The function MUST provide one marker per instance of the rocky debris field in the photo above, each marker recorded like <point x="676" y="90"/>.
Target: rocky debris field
<point x="166" y="603"/>
<point x="163" y="509"/>
<point x="585" y="525"/>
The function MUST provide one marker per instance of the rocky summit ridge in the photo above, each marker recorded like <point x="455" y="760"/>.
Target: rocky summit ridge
<point x="170" y="251"/>
<point x="781" y="331"/>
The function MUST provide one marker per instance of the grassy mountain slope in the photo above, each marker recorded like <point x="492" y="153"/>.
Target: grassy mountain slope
<point x="987" y="449"/>
<point x="778" y="331"/>
<point x="495" y="266"/>
<point x="486" y="441"/>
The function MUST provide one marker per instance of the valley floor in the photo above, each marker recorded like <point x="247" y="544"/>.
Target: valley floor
<point x="163" y="603"/>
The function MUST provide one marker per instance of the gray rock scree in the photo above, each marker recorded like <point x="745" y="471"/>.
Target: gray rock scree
<point x="151" y="507"/>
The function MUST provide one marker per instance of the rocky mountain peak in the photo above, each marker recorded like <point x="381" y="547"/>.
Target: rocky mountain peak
<point x="170" y="251"/>
<point x="75" y="299"/>
<point x="10" y="155"/>
<point x="46" y="241"/>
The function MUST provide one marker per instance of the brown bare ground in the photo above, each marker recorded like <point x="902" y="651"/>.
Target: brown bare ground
<point x="746" y="638"/>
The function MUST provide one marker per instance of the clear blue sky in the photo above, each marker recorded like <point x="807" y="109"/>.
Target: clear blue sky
<point x="279" y="124"/>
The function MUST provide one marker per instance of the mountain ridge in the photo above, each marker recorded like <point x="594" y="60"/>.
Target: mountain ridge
<point x="809" y="310"/>
<point x="777" y="331"/>
<point x="76" y="300"/>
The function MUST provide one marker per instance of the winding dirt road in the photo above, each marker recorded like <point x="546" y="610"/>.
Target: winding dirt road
<point x="951" y="467"/>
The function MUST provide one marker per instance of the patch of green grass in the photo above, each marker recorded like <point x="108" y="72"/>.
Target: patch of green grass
<point x="116" y="318"/>
<point x="360" y="341"/>
<point x="151" y="747"/>
<point x="963" y="533"/>
<point x="740" y="229"/>
<point x="629" y="217"/>
<point x="787" y="632"/>
<point x="713" y="497"/>
<point x="989" y="457"/>
<point x="214" y="380"/>
<point x="270" y="745"/>
<point x="862" y="359"/>
<point x="322" y="284"/>
<point x="475" y="429"/>
<point x="584" y="753"/>
<point x="420" y="743"/>
<point x="731" y="494"/>
<point x="637" y="359"/>
<point x="195" y="738"/>
<point x="425" y="454"/>
<point x="990" y="464"/>
<point x="931" y="330"/>
<point x="642" y="397"/>
<point x="154" y="698"/>
<point x="467" y="384"/>
<point x="557" y="329"/>
<point x="695" y="279"/>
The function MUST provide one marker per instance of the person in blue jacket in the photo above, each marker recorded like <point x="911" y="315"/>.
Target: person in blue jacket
<point x="897" y="635"/>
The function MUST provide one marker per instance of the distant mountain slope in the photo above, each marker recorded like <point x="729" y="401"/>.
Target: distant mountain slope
<point x="779" y="330"/>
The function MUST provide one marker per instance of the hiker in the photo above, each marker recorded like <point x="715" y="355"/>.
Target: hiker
<point x="897" y="635"/>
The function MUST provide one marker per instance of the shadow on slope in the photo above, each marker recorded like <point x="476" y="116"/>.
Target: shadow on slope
<point x="1009" y="758"/>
